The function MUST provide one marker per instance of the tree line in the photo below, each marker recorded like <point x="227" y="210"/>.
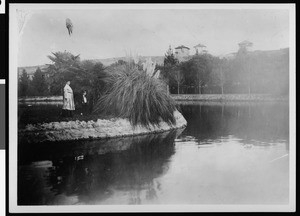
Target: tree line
<point x="260" y="72"/>
<point x="247" y="73"/>
<point x="84" y="75"/>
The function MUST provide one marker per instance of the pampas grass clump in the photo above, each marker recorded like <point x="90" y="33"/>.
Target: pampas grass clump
<point x="132" y="93"/>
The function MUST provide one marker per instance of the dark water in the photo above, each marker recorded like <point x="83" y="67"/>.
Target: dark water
<point x="235" y="153"/>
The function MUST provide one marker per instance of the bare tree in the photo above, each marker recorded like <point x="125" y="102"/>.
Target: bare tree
<point x="218" y="73"/>
<point x="179" y="79"/>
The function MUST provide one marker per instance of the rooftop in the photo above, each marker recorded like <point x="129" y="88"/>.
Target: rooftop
<point x="182" y="47"/>
<point x="199" y="45"/>
<point x="245" y="42"/>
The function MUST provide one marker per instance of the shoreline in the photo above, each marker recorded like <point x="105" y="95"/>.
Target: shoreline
<point x="183" y="97"/>
<point x="40" y="99"/>
<point x="229" y="97"/>
<point x="86" y="130"/>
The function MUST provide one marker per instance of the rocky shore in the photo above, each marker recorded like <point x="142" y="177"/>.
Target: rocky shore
<point x="100" y="129"/>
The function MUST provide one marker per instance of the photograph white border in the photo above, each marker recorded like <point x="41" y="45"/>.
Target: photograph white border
<point x="13" y="110"/>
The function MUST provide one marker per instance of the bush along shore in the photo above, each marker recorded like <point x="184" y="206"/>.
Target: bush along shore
<point x="102" y="128"/>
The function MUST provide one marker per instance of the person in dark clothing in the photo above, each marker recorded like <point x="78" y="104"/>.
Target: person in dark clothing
<point x="68" y="102"/>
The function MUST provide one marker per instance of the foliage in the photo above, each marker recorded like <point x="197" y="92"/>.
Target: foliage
<point x="97" y="85"/>
<point x="260" y="72"/>
<point x="197" y="70"/>
<point x="64" y="61"/>
<point x="248" y="72"/>
<point x="39" y="84"/>
<point x="131" y="93"/>
<point x="84" y="75"/>
<point x="170" y="64"/>
<point x="178" y="78"/>
<point x="65" y="67"/>
<point x="24" y="83"/>
<point x="219" y="73"/>
<point x="170" y="60"/>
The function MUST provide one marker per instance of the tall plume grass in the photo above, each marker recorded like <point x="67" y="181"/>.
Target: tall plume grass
<point x="131" y="93"/>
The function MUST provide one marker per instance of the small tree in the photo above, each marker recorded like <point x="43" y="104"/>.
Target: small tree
<point x="197" y="71"/>
<point x="24" y="82"/>
<point x="39" y="83"/>
<point x="245" y="64"/>
<point x="178" y="78"/>
<point x="65" y="66"/>
<point x="170" y="64"/>
<point x="97" y="83"/>
<point x="218" y="73"/>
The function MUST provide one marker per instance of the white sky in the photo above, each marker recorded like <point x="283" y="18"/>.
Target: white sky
<point x="107" y="33"/>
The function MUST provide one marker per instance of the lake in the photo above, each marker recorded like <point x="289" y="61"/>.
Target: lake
<point x="229" y="153"/>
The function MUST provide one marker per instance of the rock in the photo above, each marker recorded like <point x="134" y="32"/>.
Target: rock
<point x="74" y="130"/>
<point x="30" y="127"/>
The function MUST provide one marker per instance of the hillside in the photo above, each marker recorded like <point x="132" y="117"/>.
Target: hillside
<point x="30" y="69"/>
<point x="106" y="62"/>
<point x="267" y="53"/>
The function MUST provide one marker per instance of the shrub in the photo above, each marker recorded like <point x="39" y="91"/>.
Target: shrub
<point x="131" y="93"/>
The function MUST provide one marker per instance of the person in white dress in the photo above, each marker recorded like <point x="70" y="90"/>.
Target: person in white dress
<point x="68" y="105"/>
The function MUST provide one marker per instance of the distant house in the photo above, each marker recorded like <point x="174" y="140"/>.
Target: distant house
<point x="182" y="52"/>
<point x="245" y="46"/>
<point x="200" y="49"/>
<point x="245" y="43"/>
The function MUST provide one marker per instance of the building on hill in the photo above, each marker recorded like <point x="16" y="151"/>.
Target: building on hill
<point x="182" y="52"/>
<point x="200" y="49"/>
<point x="245" y="43"/>
<point x="245" y="46"/>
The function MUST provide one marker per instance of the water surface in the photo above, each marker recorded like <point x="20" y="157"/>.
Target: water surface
<point x="230" y="153"/>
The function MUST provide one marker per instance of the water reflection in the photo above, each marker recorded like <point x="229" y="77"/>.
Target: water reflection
<point x="92" y="171"/>
<point x="37" y="112"/>
<point x="253" y="123"/>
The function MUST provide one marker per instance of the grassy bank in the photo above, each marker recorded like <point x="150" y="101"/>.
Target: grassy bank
<point x="46" y="114"/>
